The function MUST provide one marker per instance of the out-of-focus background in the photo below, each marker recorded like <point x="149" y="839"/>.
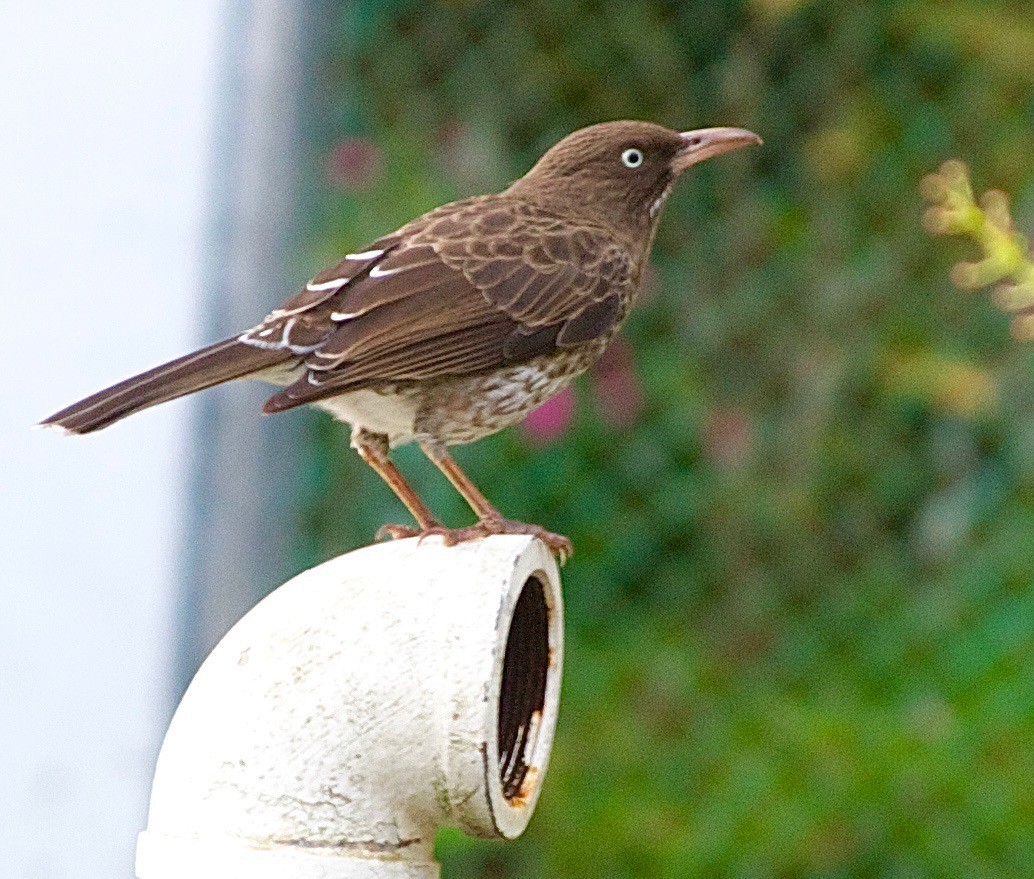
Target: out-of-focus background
<point x="107" y="109"/>
<point x="801" y="489"/>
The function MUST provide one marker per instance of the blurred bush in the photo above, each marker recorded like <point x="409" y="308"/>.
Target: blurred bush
<point x="801" y="606"/>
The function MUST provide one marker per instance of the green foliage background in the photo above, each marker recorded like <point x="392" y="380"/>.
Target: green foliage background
<point x="801" y="609"/>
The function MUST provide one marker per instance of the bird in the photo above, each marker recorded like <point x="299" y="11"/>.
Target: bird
<point x="462" y="321"/>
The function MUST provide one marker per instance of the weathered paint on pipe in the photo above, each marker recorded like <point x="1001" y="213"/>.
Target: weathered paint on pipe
<point x="349" y="715"/>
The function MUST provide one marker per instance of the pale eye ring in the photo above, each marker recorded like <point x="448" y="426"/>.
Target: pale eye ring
<point x="632" y="157"/>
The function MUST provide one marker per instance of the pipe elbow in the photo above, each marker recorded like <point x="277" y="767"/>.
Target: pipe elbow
<point x="365" y="703"/>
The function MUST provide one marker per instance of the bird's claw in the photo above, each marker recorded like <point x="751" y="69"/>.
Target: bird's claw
<point x="398" y="532"/>
<point x="559" y="544"/>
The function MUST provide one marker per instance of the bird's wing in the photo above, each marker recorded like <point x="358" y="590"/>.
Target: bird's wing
<point x="304" y="321"/>
<point x="471" y="287"/>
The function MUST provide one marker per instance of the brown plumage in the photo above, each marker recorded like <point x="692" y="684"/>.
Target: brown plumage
<point x="462" y="321"/>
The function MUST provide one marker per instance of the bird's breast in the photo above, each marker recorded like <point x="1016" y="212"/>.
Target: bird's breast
<point x="466" y="408"/>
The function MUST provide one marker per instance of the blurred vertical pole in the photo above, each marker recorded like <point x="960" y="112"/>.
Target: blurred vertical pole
<point x="243" y="510"/>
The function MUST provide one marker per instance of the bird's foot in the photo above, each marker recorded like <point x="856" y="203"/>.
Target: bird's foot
<point x="401" y="532"/>
<point x="559" y="544"/>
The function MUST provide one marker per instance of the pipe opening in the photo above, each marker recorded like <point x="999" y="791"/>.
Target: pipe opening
<point x="523" y="694"/>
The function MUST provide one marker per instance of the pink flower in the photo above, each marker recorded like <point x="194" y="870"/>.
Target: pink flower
<point x="727" y="437"/>
<point x="616" y="386"/>
<point x="551" y="419"/>
<point x="354" y="164"/>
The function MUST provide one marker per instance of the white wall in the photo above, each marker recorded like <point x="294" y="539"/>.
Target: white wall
<point x="106" y="109"/>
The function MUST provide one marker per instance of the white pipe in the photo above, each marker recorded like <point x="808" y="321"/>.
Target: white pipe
<point x="358" y="708"/>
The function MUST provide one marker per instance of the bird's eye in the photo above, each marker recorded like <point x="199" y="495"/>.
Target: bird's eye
<point x="632" y="158"/>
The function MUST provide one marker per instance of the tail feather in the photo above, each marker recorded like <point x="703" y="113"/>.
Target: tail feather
<point x="210" y="366"/>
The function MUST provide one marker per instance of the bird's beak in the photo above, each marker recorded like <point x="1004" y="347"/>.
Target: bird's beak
<point x="704" y="143"/>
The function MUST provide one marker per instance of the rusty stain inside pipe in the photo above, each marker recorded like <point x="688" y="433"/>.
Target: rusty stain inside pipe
<point x="523" y="694"/>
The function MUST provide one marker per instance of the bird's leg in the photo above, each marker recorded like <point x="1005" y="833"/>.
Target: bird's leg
<point x="373" y="449"/>
<point x="490" y="520"/>
<point x="471" y="494"/>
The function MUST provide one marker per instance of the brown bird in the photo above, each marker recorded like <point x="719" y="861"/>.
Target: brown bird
<point x="462" y="321"/>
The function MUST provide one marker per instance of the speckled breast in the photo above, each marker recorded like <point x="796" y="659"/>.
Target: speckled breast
<point x="467" y="408"/>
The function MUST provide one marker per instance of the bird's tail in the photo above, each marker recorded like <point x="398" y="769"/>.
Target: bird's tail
<point x="210" y="366"/>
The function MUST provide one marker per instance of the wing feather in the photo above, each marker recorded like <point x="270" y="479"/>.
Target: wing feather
<point x="473" y="286"/>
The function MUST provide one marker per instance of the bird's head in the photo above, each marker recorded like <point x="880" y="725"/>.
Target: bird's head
<point x="622" y="172"/>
